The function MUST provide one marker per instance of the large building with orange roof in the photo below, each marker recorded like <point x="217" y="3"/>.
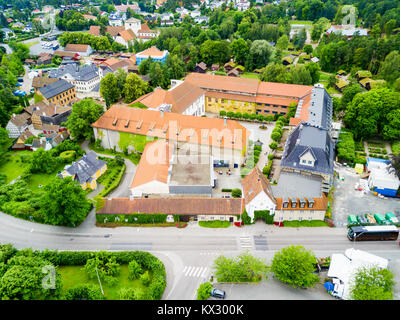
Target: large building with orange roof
<point x="244" y="95"/>
<point x="153" y="53"/>
<point x="223" y="139"/>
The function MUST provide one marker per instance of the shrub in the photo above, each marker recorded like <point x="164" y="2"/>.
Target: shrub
<point x="270" y="157"/>
<point x="104" y="265"/>
<point x="245" y="218"/>
<point x="84" y="292"/>
<point x="236" y="193"/>
<point x="273" y="145"/>
<point x="135" y="270"/>
<point x="222" y="113"/>
<point x="145" y="278"/>
<point x="204" y="291"/>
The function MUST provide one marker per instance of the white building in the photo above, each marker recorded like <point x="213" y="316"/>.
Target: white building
<point x="382" y="177"/>
<point x="257" y="193"/>
<point x="134" y="24"/>
<point x="17" y="125"/>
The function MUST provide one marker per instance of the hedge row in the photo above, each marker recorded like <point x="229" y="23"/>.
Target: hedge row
<point x="139" y="218"/>
<point x="265" y="215"/>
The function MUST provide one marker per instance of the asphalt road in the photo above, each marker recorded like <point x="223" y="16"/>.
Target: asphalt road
<point x="188" y="253"/>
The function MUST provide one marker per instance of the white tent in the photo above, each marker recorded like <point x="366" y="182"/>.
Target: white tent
<point x="344" y="266"/>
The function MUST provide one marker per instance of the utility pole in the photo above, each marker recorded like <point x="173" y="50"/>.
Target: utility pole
<point x="102" y="292"/>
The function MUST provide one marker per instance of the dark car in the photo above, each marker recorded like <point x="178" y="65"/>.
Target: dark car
<point x="217" y="293"/>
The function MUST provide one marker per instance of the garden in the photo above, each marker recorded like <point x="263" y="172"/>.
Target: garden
<point x="81" y="275"/>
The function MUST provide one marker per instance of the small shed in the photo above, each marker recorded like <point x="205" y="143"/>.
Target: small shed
<point x="201" y="67"/>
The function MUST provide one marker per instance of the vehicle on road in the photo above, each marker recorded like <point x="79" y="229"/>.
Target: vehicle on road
<point x="217" y="293"/>
<point x="364" y="233"/>
<point x="20" y="80"/>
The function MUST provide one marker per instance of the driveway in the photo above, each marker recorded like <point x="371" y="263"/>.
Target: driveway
<point x="348" y="201"/>
<point x="123" y="190"/>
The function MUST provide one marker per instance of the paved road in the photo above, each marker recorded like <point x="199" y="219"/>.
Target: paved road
<point x="122" y="191"/>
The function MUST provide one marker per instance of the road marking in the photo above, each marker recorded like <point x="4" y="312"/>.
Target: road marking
<point x="191" y="271"/>
<point x="246" y="242"/>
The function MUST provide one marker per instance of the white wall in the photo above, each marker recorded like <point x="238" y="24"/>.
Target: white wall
<point x="260" y="202"/>
<point x="153" y="187"/>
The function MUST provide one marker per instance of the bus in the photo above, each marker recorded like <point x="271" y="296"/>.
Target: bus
<point x="363" y="233"/>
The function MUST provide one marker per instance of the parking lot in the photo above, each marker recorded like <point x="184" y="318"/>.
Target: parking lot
<point x="347" y="200"/>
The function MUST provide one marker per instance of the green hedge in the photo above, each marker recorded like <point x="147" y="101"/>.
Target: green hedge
<point x="141" y="218"/>
<point x="214" y="224"/>
<point x="265" y="215"/>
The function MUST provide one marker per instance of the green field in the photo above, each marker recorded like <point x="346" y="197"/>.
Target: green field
<point x="250" y="75"/>
<point x="76" y="275"/>
<point x="12" y="166"/>
<point x="215" y="224"/>
<point x="305" y="223"/>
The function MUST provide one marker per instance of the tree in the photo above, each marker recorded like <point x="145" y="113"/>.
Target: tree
<point x="135" y="270"/>
<point x="300" y="75"/>
<point x="176" y="67"/>
<point x="109" y="89"/>
<point x="104" y="266"/>
<point x="389" y="26"/>
<point x="134" y="87"/>
<point x="391" y="130"/>
<point x="275" y="72"/>
<point x="283" y="42"/>
<point x="313" y="69"/>
<point x="348" y="94"/>
<point x="83" y="114"/>
<point x="204" y="291"/>
<point x="43" y="162"/>
<point x="372" y="284"/>
<point x="23" y="279"/>
<point x="159" y="75"/>
<point x="236" y="193"/>
<point x="259" y="54"/>
<point x="130" y="294"/>
<point x="243" y="268"/>
<point x="390" y="70"/>
<point x="64" y="202"/>
<point x="121" y="75"/>
<point x="308" y="48"/>
<point x="240" y="50"/>
<point x="295" y="265"/>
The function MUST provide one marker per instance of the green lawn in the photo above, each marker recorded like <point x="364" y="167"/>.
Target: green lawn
<point x="75" y="275"/>
<point x="137" y="105"/>
<point x="13" y="167"/>
<point x="30" y="44"/>
<point x="300" y="22"/>
<point x="396" y="147"/>
<point x="250" y="75"/>
<point x="135" y="140"/>
<point x="133" y="157"/>
<point x="37" y="179"/>
<point x="215" y="224"/>
<point x="305" y="223"/>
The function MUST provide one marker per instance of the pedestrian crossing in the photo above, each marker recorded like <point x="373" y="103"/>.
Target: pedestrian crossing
<point x="246" y="242"/>
<point x="193" y="271"/>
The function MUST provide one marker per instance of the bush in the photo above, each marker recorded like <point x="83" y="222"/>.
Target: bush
<point x="245" y="218"/>
<point x="273" y="145"/>
<point x="104" y="265"/>
<point x="135" y="270"/>
<point x="222" y="113"/>
<point x="236" y="193"/>
<point x="84" y="292"/>
<point x="145" y="278"/>
<point x="270" y="157"/>
<point x="204" y="291"/>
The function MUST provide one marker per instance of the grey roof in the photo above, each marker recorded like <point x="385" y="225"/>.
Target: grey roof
<point x="77" y="72"/>
<point x="307" y="137"/>
<point x="85" y="167"/>
<point x="55" y="88"/>
<point x="320" y="110"/>
<point x="296" y="185"/>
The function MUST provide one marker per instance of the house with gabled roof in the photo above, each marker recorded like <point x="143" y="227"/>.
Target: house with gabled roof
<point x="257" y="193"/>
<point x="86" y="170"/>
<point x="153" y="53"/>
<point x="82" y="49"/>
<point x="17" y="124"/>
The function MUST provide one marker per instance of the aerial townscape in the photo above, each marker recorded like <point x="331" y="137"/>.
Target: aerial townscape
<point x="199" y="150"/>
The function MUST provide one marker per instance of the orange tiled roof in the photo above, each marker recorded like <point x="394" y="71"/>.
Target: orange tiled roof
<point x="76" y="47"/>
<point x="154" y="163"/>
<point x="184" y="206"/>
<point x="127" y="35"/>
<point x="152" y="51"/>
<point x="254" y="183"/>
<point x="192" y="129"/>
<point x="320" y="204"/>
<point x="283" y="89"/>
<point x="94" y="30"/>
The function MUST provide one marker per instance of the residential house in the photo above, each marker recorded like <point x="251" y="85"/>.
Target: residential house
<point x="82" y="49"/>
<point x="187" y="208"/>
<point x="60" y="92"/>
<point x="133" y="24"/>
<point x="145" y="33"/>
<point x="154" y="53"/>
<point x="20" y="143"/>
<point x="42" y="113"/>
<point x="40" y="143"/>
<point x="89" y="17"/>
<point x="201" y="67"/>
<point x="233" y="73"/>
<point x="126" y="37"/>
<point x="85" y="78"/>
<point x="44" y="58"/>
<point x="257" y="193"/>
<point x="202" y="19"/>
<point x="38" y="82"/>
<point x="86" y="170"/>
<point x="17" y="124"/>
<point x="28" y="27"/>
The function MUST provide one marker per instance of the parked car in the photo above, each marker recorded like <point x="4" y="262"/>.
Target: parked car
<point x="20" y="80"/>
<point x="217" y="293"/>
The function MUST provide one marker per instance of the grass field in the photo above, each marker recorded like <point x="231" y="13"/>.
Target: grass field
<point x="75" y="275"/>
<point x="42" y="178"/>
<point x="305" y="223"/>
<point x="250" y="75"/>
<point x="12" y="166"/>
<point x="215" y="224"/>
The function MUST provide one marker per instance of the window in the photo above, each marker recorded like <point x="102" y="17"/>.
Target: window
<point x="309" y="162"/>
<point x="303" y="161"/>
